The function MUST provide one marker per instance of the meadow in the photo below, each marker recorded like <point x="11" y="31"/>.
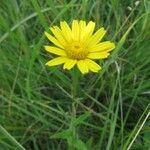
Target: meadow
<point x="48" y="108"/>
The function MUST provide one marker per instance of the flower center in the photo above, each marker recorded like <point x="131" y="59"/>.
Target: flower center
<point x="76" y="50"/>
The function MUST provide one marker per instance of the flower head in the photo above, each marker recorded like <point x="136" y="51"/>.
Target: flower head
<point x="78" y="45"/>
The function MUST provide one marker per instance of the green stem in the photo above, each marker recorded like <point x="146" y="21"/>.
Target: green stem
<point x="75" y="85"/>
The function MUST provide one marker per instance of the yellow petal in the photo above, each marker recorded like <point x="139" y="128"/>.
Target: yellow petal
<point x="58" y="34"/>
<point x="66" y="31"/>
<point x="75" y="30"/>
<point x="53" y="40"/>
<point x="94" y="67"/>
<point x="82" y="66"/>
<point x="56" y="61"/>
<point x="102" y="47"/>
<point x="96" y="37"/>
<point x="82" y="25"/>
<point x="98" y="55"/>
<point x="69" y="64"/>
<point x="88" y="31"/>
<point x="55" y="50"/>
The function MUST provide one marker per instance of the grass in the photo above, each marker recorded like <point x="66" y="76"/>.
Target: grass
<point x="45" y="108"/>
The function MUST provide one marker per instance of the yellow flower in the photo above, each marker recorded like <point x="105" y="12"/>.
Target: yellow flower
<point x="78" y="45"/>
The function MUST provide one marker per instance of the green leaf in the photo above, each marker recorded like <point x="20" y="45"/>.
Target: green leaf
<point x="80" y="145"/>
<point x="65" y="134"/>
<point x="81" y="118"/>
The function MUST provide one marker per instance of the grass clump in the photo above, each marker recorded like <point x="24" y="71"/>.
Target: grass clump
<point x="110" y="109"/>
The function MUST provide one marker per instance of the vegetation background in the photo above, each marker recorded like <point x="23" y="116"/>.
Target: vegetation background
<point x="109" y="110"/>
